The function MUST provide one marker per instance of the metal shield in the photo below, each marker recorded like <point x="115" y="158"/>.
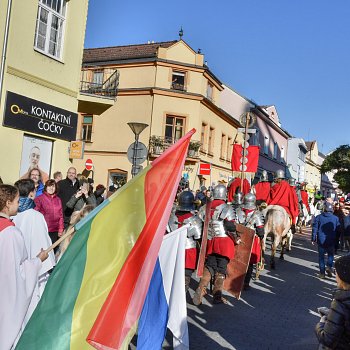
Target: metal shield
<point x="238" y="266"/>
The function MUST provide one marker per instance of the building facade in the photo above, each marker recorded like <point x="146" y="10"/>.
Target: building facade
<point x="313" y="168"/>
<point x="269" y="135"/>
<point x="168" y="87"/>
<point x="296" y="157"/>
<point x="40" y="73"/>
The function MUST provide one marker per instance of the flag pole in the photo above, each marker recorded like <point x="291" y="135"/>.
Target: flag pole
<point x="69" y="232"/>
<point x="244" y="148"/>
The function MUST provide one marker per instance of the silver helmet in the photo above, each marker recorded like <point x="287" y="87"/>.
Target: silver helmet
<point x="249" y="201"/>
<point x="292" y="182"/>
<point x="219" y="192"/>
<point x="264" y="177"/>
<point x="279" y="174"/>
<point x="238" y="198"/>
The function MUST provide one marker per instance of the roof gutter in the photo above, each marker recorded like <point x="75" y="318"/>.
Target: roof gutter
<point x="4" y="47"/>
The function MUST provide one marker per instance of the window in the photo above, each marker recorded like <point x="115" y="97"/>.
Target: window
<point x="174" y="128"/>
<point x="50" y="26"/>
<point x="282" y="154"/>
<point x="255" y="138"/>
<point x="301" y="155"/>
<point x="223" y="146"/>
<point x="275" y="150"/>
<point x="86" y="128"/>
<point x="229" y="149"/>
<point x="203" y="136"/>
<point x="178" y="81"/>
<point x="210" y="91"/>
<point x="266" y="145"/>
<point x="211" y="141"/>
<point x="97" y="78"/>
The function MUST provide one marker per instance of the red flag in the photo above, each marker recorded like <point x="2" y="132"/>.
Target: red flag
<point x="251" y="166"/>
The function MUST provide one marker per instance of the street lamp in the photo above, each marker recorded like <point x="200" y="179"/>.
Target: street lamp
<point x="137" y="129"/>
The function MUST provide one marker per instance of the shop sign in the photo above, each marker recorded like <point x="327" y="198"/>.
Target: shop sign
<point x="34" y="116"/>
<point x="76" y="150"/>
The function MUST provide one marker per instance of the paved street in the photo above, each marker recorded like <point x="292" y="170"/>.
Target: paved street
<point x="277" y="313"/>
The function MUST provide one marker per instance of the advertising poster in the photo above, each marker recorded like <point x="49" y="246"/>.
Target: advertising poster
<point x="36" y="153"/>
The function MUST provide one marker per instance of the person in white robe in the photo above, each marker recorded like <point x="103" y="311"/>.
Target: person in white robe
<point x="18" y="274"/>
<point x="34" y="230"/>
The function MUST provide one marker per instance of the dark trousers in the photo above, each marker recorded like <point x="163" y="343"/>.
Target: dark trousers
<point x="217" y="263"/>
<point x="54" y="238"/>
<point x="321" y="257"/>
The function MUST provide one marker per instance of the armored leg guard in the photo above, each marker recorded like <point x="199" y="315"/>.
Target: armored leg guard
<point x="202" y="288"/>
<point x="218" y="286"/>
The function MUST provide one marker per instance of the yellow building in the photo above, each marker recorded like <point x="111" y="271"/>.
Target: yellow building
<point x="40" y="74"/>
<point x="312" y="167"/>
<point x="167" y="86"/>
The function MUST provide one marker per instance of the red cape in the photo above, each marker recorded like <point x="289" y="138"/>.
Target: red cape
<point x="305" y="199"/>
<point x="284" y="195"/>
<point x="233" y="187"/>
<point x="262" y="191"/>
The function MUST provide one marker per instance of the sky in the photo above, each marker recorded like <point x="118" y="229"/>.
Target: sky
<point x="294" y="54"/>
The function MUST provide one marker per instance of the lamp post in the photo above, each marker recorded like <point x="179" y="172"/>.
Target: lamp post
<point x="137" y="129"/>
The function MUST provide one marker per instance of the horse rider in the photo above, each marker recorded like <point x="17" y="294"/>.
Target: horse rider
<point x="296" y="187"/>
<point x="250" y="216"/>
<point x="220" y="247"/>
<point x="185" y="214"/>
<point x="282" y="194"/>
<point x="262" y="189"/>
<point x="235" y="185"/>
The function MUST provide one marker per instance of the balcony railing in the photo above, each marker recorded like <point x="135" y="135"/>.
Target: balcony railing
<point x="158" y="144"/>
<point x="100" y="82"/>
<point x="177" y="86"/>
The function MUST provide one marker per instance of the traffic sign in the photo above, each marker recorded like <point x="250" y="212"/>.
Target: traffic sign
<point x="204" y="169"/>
<point x="89" y="165"/>
<point x="140" y="153"/>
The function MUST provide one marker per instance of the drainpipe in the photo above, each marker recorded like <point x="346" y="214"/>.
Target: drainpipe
<point x="4" y="47"/>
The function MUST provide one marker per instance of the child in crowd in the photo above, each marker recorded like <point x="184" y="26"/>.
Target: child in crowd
<point x="333" y="330"/>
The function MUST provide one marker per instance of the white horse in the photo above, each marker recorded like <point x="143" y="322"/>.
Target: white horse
<point x="277" y="222"/>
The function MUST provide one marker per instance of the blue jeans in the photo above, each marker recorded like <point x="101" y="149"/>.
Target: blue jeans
<point x="321" y="257"/>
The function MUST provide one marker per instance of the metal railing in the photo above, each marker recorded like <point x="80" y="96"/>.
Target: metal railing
<point x="177" y="86"/>
<point x="158" y="144"/>
<point x="100" y="82"/>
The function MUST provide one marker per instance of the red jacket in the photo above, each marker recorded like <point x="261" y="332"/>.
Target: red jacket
<point x="51" y="208"/>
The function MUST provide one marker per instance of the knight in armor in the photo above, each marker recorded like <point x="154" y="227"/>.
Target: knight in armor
<point x="262" y="189"/>
<point x="237" y="200"/>
<point x="184" y="214"/>
<point x="249" y="216"/>
<point x="235" y="185"/>
<point x="283" y="195"/>
<point x="220" y="247"/>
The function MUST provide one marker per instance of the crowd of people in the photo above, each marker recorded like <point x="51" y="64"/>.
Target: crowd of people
<point x="33" y="215"/>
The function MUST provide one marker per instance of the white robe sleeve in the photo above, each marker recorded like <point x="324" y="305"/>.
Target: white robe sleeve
<point x="18" y="278"/>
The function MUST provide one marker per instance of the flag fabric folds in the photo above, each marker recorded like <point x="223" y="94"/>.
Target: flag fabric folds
<point x="252" y="158"/>
<point x="165" y="304"/>
<point x="95" y="294"/>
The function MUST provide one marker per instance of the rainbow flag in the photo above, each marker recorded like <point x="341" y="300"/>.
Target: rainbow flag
<point x="95" y="294"/>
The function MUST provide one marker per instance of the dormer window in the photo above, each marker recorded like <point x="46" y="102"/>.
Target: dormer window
<point x="178" y="81"/>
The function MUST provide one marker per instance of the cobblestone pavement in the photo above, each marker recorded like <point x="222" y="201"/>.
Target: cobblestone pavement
<point x="278" y="312"/>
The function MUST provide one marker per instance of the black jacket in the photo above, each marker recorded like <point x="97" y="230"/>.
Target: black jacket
<point x="66" y="190"/>
<point x="335" y="332"/>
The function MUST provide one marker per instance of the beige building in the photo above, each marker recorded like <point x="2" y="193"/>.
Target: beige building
<point x="166" y="86"/>
<point x="40" y="74"/>
<point x="312" y="167"/>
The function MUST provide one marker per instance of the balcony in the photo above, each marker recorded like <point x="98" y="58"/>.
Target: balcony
<point x="158" y="144"/>
<point x="178" y="86"/>
<point x="99" y="82"/>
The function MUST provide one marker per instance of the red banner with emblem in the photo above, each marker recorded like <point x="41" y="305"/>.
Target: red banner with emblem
<point x="251" y="163"/>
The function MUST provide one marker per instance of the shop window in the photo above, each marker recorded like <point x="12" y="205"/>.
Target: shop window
<point x="174" y="128"/>
<point x="86" y="128"/>
<point x="50" y="27"/>
<point x="178" y="81"/>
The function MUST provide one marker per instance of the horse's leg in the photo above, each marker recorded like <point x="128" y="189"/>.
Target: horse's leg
<point x="283" y="244"/>
<point x="273" y="252"/>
